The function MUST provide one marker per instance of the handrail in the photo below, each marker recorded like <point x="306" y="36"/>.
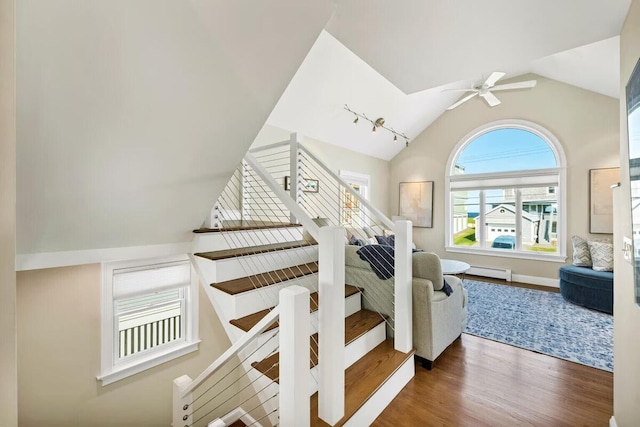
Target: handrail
<point x="270" y="146"/>
<point x="284" y="197"/>
<point x="245" y="340"/>
<point x="383" y="218"/>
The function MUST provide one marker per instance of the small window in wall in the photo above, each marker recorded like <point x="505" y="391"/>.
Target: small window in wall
<point x="149" y="315"/>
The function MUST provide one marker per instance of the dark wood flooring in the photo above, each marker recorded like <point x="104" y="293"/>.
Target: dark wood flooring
<point x="478" y="382"/>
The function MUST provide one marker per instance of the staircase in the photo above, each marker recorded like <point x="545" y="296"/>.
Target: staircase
<point x="256" y="251"/>
<point x="243" y="288"/>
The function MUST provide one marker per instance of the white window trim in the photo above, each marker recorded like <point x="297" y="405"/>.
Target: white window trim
<point x="110" y="370"/>
<point x="556" y="176"/>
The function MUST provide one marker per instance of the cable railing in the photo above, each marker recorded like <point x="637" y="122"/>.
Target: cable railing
<point x="229" y="390"/>
<point x="331" y="201"/>
<point x="281" y="195"/>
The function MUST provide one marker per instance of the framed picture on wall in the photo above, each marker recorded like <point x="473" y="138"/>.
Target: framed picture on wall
<point x="416" y="203"/>
<point x="601" y="199"/>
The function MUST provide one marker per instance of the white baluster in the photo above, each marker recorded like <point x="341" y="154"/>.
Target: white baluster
<point x="403" y="286"/>
<point x="294" y="357"/>
<point x="331" y="324"/>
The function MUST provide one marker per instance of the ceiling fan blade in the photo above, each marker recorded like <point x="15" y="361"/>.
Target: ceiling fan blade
<point x="490" y="98"/>
<point x="460" y="90"/>
<point x="493" y="78"/>
<point x="518" y="85"/>
<point x="462" y="100"/>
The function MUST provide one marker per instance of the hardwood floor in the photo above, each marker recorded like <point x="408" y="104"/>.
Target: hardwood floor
<point x="478" y="382"/>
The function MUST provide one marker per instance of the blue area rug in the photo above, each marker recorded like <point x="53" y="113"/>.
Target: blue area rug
<point x="540" y="321"/>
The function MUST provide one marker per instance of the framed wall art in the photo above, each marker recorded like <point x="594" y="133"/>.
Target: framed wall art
<point x="416" y="203"/>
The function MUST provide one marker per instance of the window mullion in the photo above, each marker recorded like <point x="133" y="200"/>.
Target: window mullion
<point x="518" y="219"/>
<point x="482" y="232"/>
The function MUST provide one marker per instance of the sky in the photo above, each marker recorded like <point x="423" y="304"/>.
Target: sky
<point x="505" y="150"/>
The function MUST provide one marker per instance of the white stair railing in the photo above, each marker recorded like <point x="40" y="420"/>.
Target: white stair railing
<point x="259" y="193"/>
<point x="330" y="200"/>
<point x="293" y="314"/>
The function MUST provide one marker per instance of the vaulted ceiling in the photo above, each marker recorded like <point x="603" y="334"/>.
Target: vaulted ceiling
<point x="394" y="59"/>
<point x="133" y="114"/>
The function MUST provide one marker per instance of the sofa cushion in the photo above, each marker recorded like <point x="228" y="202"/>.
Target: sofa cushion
<point x="601" y="256"/>
<point x="581" y="253"/>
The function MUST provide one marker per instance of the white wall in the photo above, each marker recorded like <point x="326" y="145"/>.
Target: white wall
<point x="132" y="115"/>
<point x="585" y="123"/>
<point x="59" y="356"/>
<point x="8" y="347"/>
<point x="626" y="346"/>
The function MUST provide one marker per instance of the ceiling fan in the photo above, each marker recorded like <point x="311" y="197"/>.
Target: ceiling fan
<point x="485" y="89"/>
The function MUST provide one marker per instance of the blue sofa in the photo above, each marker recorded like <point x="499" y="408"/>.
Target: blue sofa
<point x="587" y="287"/>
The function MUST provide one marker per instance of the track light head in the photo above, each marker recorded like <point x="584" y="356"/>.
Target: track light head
<point x="355" y="122"/>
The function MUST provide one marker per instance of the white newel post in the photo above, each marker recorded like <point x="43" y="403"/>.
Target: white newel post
<point x="294" y="169"/>
<point x="404" y="289"/>
<point x="181" y="405"/>
<point x="331" y="324"/>
<point x="294" y="357"/>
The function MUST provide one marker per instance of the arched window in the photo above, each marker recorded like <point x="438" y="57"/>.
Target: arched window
<point x="506" y="182"/>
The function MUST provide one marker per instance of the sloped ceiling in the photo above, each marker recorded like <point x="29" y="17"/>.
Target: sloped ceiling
<point x="421" y="44"/>
<point x="396" y="60"/>
<point x="133" y="114"/>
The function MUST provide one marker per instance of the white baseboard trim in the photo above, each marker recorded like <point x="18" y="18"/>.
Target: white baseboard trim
<point x="612" y="422"/>
<point x="507" y="275"/>
<point x="92" y="256"/>
<point x="535" y="280"/>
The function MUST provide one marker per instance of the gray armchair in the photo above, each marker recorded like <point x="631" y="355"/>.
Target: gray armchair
<point x="438" y="319"/>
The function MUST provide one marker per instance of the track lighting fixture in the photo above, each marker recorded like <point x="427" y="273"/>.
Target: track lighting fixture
<point x="378" y="123"/>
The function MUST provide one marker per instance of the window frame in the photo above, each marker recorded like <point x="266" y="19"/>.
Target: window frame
<point x="112" y="367"/>
<point x="513" y="179"/>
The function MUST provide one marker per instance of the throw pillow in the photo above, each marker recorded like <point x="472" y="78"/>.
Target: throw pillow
<point x="601" y="255"/>
<point x="353" y="240"/>
<point x="386" y="240"/>
<point x="581" y="252"/>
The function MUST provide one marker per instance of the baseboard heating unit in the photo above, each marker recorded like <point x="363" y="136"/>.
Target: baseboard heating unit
<point x="495" y="273"/>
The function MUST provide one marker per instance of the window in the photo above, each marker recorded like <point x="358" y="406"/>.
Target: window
<point x="149" y="315"/>
<point x="353" y="214"/>
<point x="507" y="196"/>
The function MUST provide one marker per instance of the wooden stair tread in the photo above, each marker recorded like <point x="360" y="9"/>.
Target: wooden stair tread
<point x="246" y="225"/>
<point x="238" y="423"/>
<point x="249" y="283"/>
<point x="363" y="379"/>
<point x="355" y="326"/>
<point x="252" y="250"/>
<point x="247" y="322"/>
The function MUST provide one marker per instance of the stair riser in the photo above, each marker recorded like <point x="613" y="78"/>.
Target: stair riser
<point x="352" y="304"/>
<point x="209" y="242"/>
<point x="246" y="303"/>
<point x="235" y="268"/>
<point x="353" y="352"/>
